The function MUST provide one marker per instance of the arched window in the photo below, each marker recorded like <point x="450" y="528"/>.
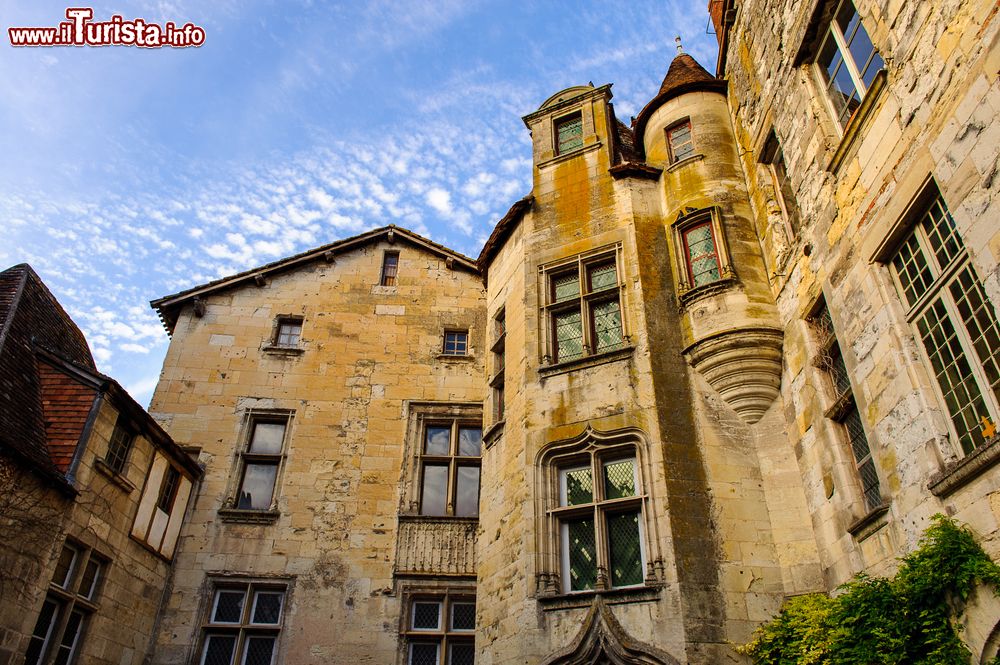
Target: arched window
<point x="594" y="520"/>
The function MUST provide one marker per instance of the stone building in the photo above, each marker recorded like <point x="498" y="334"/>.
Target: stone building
<point x="740" y="348"/>
<point x="92" y="494"/>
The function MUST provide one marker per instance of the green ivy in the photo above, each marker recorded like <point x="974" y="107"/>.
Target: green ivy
<point x="908" y="619"/>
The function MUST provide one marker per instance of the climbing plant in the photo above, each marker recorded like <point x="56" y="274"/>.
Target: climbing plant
<point x="908" y="619"/>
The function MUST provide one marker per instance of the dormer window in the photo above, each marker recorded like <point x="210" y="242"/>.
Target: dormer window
<point x="569" y="133"/>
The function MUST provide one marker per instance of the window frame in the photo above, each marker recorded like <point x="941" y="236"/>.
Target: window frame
<point x="565" y="119"/>
<point x="120" y="445"/>
<point x="584" y="302"/>
<point x="674" y="158"/>
<point x="831" y="30"/>
<point x="686" y="222"/>
<point x="244" y="628"/>
<point x="460" y="350"/>
<point x="939" y="290"/>
<point x="499" y="352"/>
<point x="772" y="158"/>
<point x="445" y="635"/>
<point x="453" y="460"/>
<point x="389" y="273"/>
<point x="280" y="323"/>
<point x="245" y="458"/>
<point x="844" y="409"/>
<point x="68" y="598"/>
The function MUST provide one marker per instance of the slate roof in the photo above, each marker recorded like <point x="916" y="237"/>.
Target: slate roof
<point x="683" y="70"/>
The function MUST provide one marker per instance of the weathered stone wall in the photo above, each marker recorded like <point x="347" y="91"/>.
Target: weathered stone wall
<point x="366" y="352"/>
<point x="935" y="117"/>
<point x="120" y="628"/>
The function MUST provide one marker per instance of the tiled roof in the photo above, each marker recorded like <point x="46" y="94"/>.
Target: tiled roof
<point x="683" y="70"/>
<point x="66" y="404"/>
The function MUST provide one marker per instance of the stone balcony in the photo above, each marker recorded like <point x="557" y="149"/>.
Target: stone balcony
<point x="436" y="545"/>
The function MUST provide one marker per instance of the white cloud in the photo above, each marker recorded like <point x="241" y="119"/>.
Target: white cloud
<point x="440" y="200"/>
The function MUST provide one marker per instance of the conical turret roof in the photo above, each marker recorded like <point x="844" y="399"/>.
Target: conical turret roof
<point x="683" y="70"/>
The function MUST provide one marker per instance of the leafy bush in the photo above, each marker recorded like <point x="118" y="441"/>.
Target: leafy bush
<point x="905" y="620"/>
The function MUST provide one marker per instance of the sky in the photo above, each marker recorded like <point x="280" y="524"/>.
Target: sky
<point x="127" y="174"/>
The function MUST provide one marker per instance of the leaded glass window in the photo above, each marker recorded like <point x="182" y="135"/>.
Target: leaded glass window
<point x="954" y="319"/>
<point x="847" y="61"/>
<point x="450" y="459"/>
<point x="243" y="625"/>
<point x="600" y="525"/>
<point x="701" y="255"/>
<point x="569" y="133"/>
<point x="584" y="307"/>
<point x="680" y="142"/>
<point x="844" y="409"/>
<point x="440" y="630"/>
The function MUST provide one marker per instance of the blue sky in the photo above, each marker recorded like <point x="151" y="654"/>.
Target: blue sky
<point x="128" y="174"/>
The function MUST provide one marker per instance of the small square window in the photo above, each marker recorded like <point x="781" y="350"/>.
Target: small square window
<point x="456" y="343"/>
<point x="426" y="615"/>
<point x="288" y="332"/>
<point x="569" y="133"/>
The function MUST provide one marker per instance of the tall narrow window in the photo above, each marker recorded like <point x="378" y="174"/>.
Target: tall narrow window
<point x="599" y="513"/>
<point x="680" y="142"/>
<point x="244" y="624"/>
<point x="120" y="445"/>
<point x="450" y="469"/>
<point x="847" y="61"/>
<point x="440" y="631"/>
<point x="584" y="307"/>
<point x="390" y="266"/>
<point x="773" y="158"/>
<point x="260" y="462"/>
<point x="168" y="489"/>
<point x="844" y="409"/>
<point x="954" y="319"/>
<point x="569" y="133"/>
<point x="499" y="365"/>
<point x="59" y="629"/>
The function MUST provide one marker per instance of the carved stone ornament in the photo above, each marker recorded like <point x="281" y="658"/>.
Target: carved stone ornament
<point x="603" y="641"/>
<point x="743" y="366"/>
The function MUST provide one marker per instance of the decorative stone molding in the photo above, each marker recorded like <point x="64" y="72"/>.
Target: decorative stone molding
<point x="743" y="366"/>
<point x="603" y="640"/>
<point x="436" y="545"/>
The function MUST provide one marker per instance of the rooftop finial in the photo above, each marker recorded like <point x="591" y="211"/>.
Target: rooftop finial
<point x="680" y="48"/>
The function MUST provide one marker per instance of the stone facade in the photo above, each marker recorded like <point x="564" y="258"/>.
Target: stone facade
<point x="702" y="367"/>
<point x="82" y="573"/>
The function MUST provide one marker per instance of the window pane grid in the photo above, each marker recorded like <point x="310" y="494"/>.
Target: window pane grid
<point x="241" y="630"/>
<point x="289" y="333"/>
<point x="118" y="448"/>
<point x="848" y="61"/>
<point x="703" y="260"/>
<point x="450" y="469"/>
<point x="863" y="459"/>
<point x="569" y="133"/>
<point x="625" y="545"/>
<point x="681" y="145"/>
<point x="441" y="628"/>
<point x="607" y="326"/>
<point x="942" y="235"/>
<point x="954" y="373"/>
<point x="912" y="270"/>
<point x="582" y="554"/>
<point x="619" y="479"/>
<point x="569" y="335"/>
<point x="578" y="487"/>
<point x="456" y="343"/>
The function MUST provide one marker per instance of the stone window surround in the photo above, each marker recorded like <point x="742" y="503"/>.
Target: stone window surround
<point x="229" y="512"/>
<point x="411" y="591"/>
<point x="419" y="414"/>
<point x="771" y="157"/>
<point x="389" y="274"/>
<point x="69" y="598"/>
<point x="672" y="159"/>
<point x="911" y="216"/>
<point x="219" y="581"/>
<point x="547" y="340"/>
<point x="497" y="381"/>
<point x="630" y="442"/>
<point x="272" y="344"/>
<point x="445" y="354"/>
<point x="687" y="219"/>
<point x="563" y="119"/>
<point x="837" y="408"/>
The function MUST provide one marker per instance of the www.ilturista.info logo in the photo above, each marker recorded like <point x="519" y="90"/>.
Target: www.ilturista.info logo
<point x="80" y="30"/>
